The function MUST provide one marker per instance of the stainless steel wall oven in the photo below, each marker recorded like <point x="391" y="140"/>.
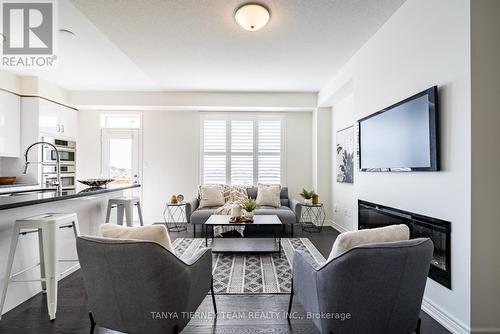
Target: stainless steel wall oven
<point x="67" y="156"/>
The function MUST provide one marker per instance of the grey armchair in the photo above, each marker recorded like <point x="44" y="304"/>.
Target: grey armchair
<point x="380" y="285"/>
<point x="130" y="282"/>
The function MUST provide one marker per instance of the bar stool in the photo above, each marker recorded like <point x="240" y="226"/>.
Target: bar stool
<point x="124" y="205"/>
<point x="46" y="226"/>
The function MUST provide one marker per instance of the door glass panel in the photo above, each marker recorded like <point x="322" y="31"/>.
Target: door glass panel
<point x="120" y="159"/>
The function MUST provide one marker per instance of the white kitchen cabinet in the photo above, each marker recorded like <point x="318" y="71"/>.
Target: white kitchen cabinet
<point x="57" y="120"/>
<point x="47" y="117"/>
<point x="68" y="119"/>
<point x="10" y="124"/>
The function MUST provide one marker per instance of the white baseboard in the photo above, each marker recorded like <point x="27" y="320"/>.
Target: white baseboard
<point x="485" y="330"/>
<point x="328" y="222"/>
<point x="338" y="227"/>
<point x="444" y="318"/>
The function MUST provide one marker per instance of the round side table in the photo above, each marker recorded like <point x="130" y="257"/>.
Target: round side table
<point x="175" y="217"/>
<point x="313" y="217"/>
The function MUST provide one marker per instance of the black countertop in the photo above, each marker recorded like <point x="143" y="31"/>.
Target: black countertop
<point x="39" y="196"/>
<point x="4" y="186"/>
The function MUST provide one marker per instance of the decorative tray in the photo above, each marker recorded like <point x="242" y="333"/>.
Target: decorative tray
<point x="96" y="182"/>
<point x="240" y="220"/>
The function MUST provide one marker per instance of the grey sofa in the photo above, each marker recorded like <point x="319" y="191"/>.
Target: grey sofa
<point x="127" y="280"/>
<point x="289" y="212"/>
<point x="380" y="285"/>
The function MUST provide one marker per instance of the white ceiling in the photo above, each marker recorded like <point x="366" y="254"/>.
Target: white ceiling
<point x="195" y="45"/>
<point x="90" y="61"/>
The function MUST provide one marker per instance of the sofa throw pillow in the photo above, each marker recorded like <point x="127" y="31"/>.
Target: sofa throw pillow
<point x="235" y="194"/>
<point x="269" y="195"/>
<point x="211" y="195"/>
<point x="154" y="233"/>
<point x="348" y="240"/>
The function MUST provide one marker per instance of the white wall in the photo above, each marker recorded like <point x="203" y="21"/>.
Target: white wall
<point x="10" y="82"/>
<point x="298" y="152"/>
<point x="424" y="43"/>
<point x="194" y="101"/>
<point x="36" y="86"/>
<point x="33" y="86"/>
<point x="171" y="157"/>
<point x="344" y="203"/>
<point x="322" y="158"/>
<point x="88" y="150"/>
<point x="485" y="248"/>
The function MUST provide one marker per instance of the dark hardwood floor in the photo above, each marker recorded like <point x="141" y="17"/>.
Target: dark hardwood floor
<point x="31" y="316"/>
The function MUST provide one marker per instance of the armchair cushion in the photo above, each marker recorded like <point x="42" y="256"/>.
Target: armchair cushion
<point x="348" y="240"/>
<point x="155" y="233"/>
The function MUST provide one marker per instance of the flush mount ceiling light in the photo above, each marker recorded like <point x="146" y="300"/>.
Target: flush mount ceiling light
<point x="252" y="16"/>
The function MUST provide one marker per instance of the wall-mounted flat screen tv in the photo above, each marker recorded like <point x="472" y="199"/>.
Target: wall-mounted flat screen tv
<point x="402" y="137"/>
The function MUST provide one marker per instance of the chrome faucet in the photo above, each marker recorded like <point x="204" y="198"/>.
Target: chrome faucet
<point x="58" y="163"/>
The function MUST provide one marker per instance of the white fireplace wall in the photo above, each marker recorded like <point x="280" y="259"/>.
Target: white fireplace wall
<point x="424" y="43"/>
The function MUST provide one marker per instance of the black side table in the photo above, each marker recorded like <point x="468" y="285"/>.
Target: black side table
<point x="313" y="217"/>
<point x="175" y="217"/>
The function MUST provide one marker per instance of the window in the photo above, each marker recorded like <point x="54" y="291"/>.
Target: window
<point x="120" y="147"/>
<point x="242" y="151"/>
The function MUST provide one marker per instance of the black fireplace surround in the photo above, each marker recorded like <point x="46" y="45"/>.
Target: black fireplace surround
<point x="371" y="215"/>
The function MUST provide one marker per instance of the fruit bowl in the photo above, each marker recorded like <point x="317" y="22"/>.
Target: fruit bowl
<point x="96" y="182"/>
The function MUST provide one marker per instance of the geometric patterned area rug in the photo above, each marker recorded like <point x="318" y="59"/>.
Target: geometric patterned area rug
<point x="251" y="273"/>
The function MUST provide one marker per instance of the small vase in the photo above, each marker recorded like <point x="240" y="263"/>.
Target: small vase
<point x="315" y="199"/>
<point x="236" y="211"/>
<point x="307" y="201"/>
<point x="249" y="214"/>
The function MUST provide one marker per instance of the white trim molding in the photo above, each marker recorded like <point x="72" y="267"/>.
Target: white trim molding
<point x="444" y="318"/>
<point x="338" y="227"/>
<point x="485" y="330"/>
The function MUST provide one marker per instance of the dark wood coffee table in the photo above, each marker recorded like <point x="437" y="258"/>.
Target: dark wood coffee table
<point x="246" y="244"/>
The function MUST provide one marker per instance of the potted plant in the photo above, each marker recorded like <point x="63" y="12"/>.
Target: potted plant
<point x="307" y="196"/>
<point x="249" y="205"/>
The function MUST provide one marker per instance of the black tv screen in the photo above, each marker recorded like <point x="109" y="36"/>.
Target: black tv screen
<point x="402" y="137"/>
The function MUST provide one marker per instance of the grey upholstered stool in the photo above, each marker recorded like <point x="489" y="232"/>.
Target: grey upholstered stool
<point x="124" y="205"/>
<point x="47" y="226"/>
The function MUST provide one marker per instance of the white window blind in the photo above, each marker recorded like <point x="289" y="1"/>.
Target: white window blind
<point x="214" y="158"/>
<point x="269" y="145"/>
<point x="242" y="151"/>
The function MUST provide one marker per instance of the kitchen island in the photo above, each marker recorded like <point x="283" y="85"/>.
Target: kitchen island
<point x="17" y="199"/>
<point x="88" y="203"/>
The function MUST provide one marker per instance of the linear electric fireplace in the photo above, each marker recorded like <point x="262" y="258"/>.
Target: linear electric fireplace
<point x="371" y="215"/>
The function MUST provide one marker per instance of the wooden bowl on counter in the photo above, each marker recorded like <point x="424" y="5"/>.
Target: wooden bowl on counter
<point x="7" y="180"/>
